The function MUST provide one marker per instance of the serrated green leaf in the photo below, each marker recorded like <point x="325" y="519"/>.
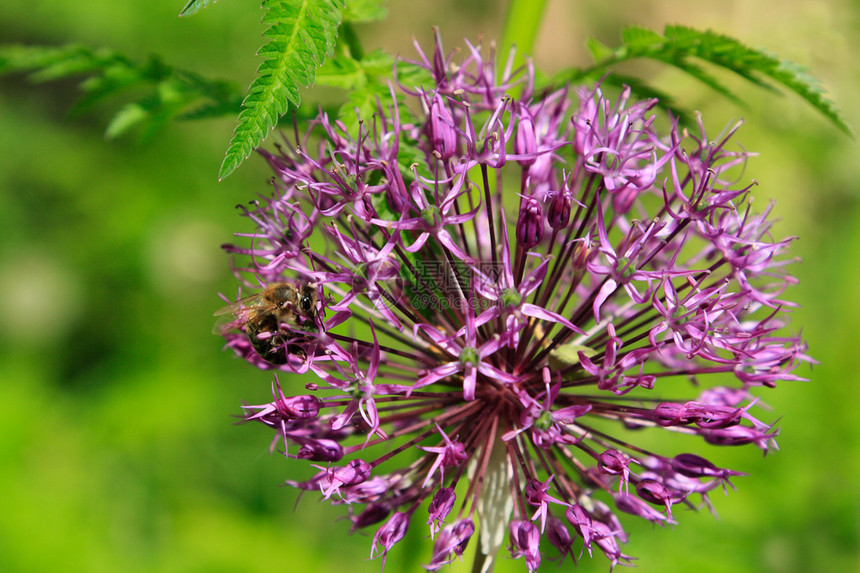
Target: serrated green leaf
<point x="670" y="54"/>
<point x="47" y="63"/>
<point x="357" y="11"/>
<point x="301" y="36"/>
<point x="378" y="63"/>
<point x="375" y="94"/>
<point x="716" y="49"/>
<point x="703" y="76"/>
<point x="750" y="63"/>
<point x="411" y="76"/>
<point x="341" y="71"/>
<point x="97" y="88"/>
<point x="167" y="92"/>
<point x="195" y="6"/>
<point x="641" y="38"/>
<point x="129" y="116"/>
<point x="361" y="105"/>
<point x="365" y="104"/>
<point x="599" y="50"/>
<point x="685" y="48"/>
<point x="212" y="110"/>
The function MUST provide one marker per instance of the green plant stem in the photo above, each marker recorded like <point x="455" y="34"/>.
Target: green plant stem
<point x="480" y="562"/>
<point x="522" y="23"/>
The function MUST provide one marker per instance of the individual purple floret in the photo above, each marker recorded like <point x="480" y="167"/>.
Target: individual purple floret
<point x="495" y="290"/>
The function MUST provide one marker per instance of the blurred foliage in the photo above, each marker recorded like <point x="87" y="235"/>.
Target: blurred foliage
<point x="117" y="446"/>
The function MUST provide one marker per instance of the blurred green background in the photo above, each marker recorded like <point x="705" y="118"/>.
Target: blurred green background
<point x="117" y="447"/>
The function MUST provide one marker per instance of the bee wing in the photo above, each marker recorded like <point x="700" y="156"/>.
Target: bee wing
<point x="227" y="322"/>
<point x="235" y="314"/>
<point x="237" y="306"/>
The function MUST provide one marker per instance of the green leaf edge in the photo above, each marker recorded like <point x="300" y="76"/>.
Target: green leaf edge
<point x="363" y="11"/>
<point x="170" y="92"/>
<point x="195" y="6"/>
<point x="302" y="35"/>
<point x="679" y="44"/>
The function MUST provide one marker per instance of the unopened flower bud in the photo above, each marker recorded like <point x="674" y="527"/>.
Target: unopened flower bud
<point x="530" y="225"/>
<point x="443" y="132"/>
<point x="322" y="450"/>
<point x="558" y="214"/>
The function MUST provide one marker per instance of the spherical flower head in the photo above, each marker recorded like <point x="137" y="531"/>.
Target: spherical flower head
<point x="493" y="293"/>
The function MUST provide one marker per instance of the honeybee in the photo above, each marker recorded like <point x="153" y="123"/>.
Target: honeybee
<point x="263" y="313"/>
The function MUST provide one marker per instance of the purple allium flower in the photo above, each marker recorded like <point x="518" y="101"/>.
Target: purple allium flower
<point x="505" y="290"/>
